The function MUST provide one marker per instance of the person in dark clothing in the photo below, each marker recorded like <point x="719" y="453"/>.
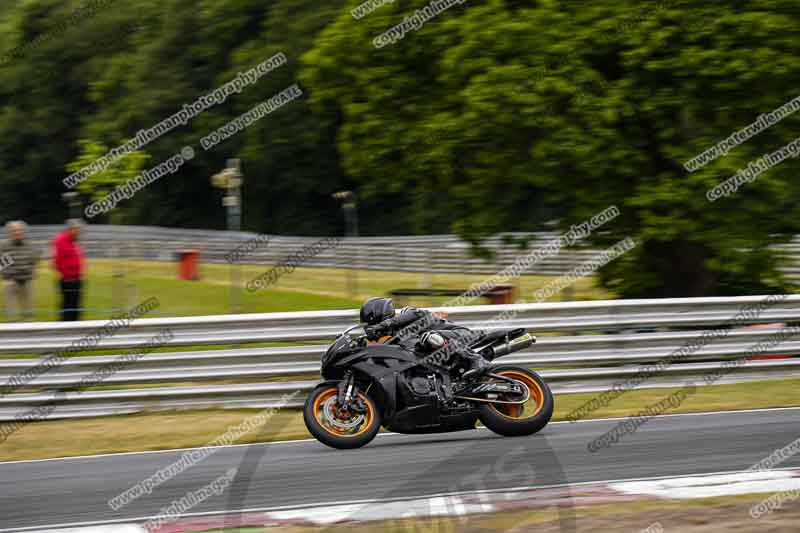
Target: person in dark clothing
<point x="68" y="261"/>
<point x="18" y="258"/>
<point x="422" y="332"/>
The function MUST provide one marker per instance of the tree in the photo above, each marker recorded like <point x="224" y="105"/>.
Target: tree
<point x="493" y="116"/>
<point x="99" y="185"/>
<point x="629" y="93"/>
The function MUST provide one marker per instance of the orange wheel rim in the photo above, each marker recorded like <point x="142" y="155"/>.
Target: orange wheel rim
<point x="338" y="422"/>
<point x="512" y="411"/>
<point x="535" y="401"/>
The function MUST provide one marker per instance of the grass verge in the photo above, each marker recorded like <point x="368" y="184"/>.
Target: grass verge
<point x="184" y="429"/>
<point x="305" y="289"/>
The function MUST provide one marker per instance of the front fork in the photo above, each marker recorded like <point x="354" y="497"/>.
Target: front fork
<point x="347" y="395"/>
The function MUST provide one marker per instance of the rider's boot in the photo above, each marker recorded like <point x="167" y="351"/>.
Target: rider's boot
<point x="477" y="364"/>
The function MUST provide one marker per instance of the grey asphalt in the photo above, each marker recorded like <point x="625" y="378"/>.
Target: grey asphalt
<point x="66" y="491"/>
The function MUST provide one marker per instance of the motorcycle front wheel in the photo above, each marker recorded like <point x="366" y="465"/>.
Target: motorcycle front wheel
<point x="514" y="420"/>
<point x="338" y="428"/>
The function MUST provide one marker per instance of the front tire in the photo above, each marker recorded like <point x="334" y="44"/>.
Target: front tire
<point x="518" y="420"/>
<point x="337" y="428"/>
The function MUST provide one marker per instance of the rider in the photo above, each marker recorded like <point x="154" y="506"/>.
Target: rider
<point x="422" y="332"/>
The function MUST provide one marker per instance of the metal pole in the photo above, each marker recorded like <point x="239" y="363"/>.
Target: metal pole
<point x="351" y="225"/>
<point x="230" y="180"/>
<point x="349" y="207"/>
<point x="234" y="204"/>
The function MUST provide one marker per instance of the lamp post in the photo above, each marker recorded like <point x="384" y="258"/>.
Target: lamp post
<point x="230" y="180"/>
<point x="350" y="209"/>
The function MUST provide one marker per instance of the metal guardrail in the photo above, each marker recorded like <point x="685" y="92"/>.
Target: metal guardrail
<point x="425" y="253"/>
<point x="586" y="346"/>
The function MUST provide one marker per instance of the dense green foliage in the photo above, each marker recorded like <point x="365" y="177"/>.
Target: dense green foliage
<point x="496" y="115"/>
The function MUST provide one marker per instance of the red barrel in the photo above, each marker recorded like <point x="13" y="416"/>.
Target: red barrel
<point x="188" y="261"/>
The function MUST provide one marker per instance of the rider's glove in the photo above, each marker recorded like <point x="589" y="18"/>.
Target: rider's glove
<point x="378" y="330"/>
<point x="372" y="332"/>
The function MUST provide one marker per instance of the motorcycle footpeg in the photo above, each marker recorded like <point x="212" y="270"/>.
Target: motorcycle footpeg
<point x="447" y="394"/>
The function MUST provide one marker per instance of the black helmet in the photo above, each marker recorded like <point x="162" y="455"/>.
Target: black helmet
<point x="377" y="310"/>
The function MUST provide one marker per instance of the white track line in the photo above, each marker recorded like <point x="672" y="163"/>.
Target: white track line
<point x="375" y="501"/>
<point x="390" y="434"/>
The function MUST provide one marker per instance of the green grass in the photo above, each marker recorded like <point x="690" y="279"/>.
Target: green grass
<point x="303" y="290"/>
<point x="755" y="394"/>
<point x="207" y="296"/>
<point x="183" y="429"/>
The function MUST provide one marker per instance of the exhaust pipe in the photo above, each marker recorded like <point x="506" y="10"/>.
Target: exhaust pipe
<point x="515" y="345"/>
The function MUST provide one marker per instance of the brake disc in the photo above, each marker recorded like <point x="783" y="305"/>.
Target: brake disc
<point x="330" y="410"/>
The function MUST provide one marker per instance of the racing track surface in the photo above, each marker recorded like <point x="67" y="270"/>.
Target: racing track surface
<point x="65" y="491"/>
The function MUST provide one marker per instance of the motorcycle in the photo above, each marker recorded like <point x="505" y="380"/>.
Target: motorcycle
<point x="367" y="385"/>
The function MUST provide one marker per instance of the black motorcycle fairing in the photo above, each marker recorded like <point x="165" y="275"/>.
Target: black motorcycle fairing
<point x="374" y="360"/>
<point x="385" y="370"/>
<point x="409" y="421"/>
<point x="379" y="351"/>
<point x="378" y="365"/>
<point x="423" y="418"/>
<point x="342" y="347"/>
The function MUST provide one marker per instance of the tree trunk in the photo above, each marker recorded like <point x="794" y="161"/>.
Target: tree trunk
<point x="682" y="267"/>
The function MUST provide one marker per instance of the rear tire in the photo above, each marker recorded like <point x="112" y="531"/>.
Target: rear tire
<point x="336" y="431"/>
<point x="511" y="420"/>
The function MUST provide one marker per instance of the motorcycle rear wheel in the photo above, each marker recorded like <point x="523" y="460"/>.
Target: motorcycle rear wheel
<point x="512" y="420"/>
<point x="338" y="428"/>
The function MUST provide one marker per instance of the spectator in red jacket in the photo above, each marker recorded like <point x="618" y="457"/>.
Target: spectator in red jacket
<point x="68" y="261"/>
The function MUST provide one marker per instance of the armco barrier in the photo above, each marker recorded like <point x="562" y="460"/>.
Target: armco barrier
<point x="585" y="346"/>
